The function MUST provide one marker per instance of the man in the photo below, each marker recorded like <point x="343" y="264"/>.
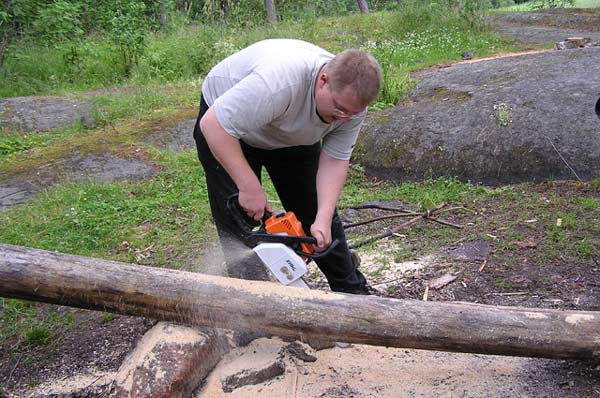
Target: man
<point x="295" y="109"/>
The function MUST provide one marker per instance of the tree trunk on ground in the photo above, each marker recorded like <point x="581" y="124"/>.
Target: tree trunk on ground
<point x="271" y="12"/>
<point x="203" y="300"/>
<point x="363" y="6"/>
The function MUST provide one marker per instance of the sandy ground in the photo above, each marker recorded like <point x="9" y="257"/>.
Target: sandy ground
<point x="368" y="371"/>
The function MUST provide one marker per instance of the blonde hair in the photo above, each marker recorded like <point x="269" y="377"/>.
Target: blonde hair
<point x="358" y="70"/>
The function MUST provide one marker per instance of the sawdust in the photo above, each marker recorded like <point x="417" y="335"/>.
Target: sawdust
<point x="65" y="386"/>
<point x="367" y="371"/>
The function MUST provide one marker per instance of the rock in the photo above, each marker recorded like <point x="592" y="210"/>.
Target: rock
<point x="253" y="376"/>
<point x="478" y="250"/>
<point x="77" y="167"/>
<point x="243" y="338"/>
<point x="547" y="25"/>
<point x="319" y="345"/>
<point x="88" y="121"/>
<point x="573" y="42"/>
<point x="169" y="362"/>
<point x="505" y="120"/>
<point x="175" y="138"/>
<point x="441" y="281"/>
<point x="43" y="113"/>
<point x="301" y="351"/>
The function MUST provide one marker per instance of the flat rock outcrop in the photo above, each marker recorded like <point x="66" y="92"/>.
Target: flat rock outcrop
<point x="43" y="113"/>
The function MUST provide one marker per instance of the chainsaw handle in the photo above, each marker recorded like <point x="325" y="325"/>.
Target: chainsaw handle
<point x="317" y="255"/>
<point x="243" y="221"/>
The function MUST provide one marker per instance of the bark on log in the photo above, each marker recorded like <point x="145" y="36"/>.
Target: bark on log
<point x="204" y="300"/>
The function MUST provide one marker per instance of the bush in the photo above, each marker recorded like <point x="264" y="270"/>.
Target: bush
<point x="127" y="30"/>
<point x="60" y="20"/>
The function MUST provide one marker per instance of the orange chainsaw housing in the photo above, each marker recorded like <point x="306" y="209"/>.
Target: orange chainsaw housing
<point x="287" y="224"/>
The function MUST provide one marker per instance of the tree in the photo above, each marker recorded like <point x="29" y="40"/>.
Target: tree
<point x="271" y="12"/>
<point x="363" y="6"/>
<point x="163" y="14"/>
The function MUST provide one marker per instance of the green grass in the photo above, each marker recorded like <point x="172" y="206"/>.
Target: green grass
<point x="13" y="143"/>
<point x="119" y="114"/>
<point x="143" y="102"/>
<point x="21" y="321"/>
<point x="168" y="212"/>
<point x="426" y="194"/>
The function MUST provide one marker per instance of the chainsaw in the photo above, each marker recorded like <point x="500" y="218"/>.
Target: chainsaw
<point x="279" y="242"/>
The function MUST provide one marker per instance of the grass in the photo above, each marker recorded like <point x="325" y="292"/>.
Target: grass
<point x="94" y="219"/>
<point x="22" y="322"/>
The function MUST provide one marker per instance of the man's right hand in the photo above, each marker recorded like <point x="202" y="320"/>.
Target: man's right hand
<point x="254" y="203"/>
<point x="228" y="152"/>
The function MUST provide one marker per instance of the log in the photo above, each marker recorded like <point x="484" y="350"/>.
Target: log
<point x="204" y="300"/>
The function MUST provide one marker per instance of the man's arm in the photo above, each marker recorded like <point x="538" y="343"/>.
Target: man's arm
<point x="228" y="152"/>
<point x="330" y="181"/>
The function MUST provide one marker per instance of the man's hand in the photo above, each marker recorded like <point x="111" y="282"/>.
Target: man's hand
<point x="254" y="203"/>
<point x="321" y="230"/>
<point x="330" y="180"/>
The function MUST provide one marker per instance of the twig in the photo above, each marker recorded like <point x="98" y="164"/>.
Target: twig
<point x="356" y="224"/>
<point x="394" y="230"/>
<point x="380" y="207"/>
<point x="483" y="265"/>
<point x="15" y="367"/>
<point x="448" y="223"/>
<point x="509" y="294"/>
<point x="457" y="208"/>
<point x="405" y="213"/>
<point x="563" y="159"/>
<point x="426" y="294"/>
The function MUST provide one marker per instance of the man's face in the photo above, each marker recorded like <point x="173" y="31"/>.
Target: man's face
<point x="336" y="105"/>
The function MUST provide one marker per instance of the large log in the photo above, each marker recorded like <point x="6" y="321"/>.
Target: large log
<point x="203" y="300"/>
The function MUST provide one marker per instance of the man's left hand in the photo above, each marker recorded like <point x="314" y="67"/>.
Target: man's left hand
<point x="322" y="232"/>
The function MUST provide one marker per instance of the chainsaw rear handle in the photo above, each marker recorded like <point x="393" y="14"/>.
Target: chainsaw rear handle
<point x="318" y="255"/>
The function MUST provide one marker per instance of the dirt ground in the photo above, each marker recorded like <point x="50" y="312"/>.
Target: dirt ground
<point x="486" y="272"/>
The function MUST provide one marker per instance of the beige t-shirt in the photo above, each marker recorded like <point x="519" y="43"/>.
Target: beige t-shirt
<point x="264" y="96"/>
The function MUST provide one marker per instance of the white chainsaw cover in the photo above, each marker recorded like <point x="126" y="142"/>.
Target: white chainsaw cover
<point x="282" y="261"/>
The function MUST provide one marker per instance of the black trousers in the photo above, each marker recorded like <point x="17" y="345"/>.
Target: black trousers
<point x="293" y="171"/>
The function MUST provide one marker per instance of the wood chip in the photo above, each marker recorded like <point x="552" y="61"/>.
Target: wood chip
<point x="483" y="265"/>
<point x="524" y="244"/>
<point x="426" y="293"/>
<point x="441" y="281"/>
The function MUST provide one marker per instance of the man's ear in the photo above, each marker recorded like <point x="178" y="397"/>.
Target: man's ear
<point x="322" y="80"/>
